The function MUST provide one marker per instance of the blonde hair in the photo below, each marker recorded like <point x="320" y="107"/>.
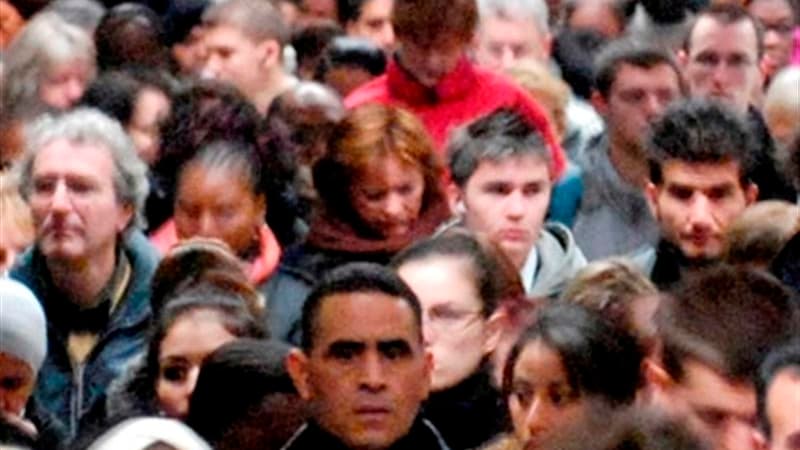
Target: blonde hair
<point x="14" y="212"/>
<point x="551" y="92"/>
<point x="761" y="232"/>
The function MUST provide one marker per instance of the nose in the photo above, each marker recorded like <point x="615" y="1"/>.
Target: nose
<point x="395" y="207"/>
<point x="373" y="376"/>
<point x="74" y="90"/>
<point x="536" y="418"/>
<point x="60" y="200"/>
<point x="739" y="435"/>
<point x="515" y="205"/>
<point x="386" y="39"/>
<point x="205" y="225"/>
<point x="700" y="212"/>
<point x="428" y="331"/>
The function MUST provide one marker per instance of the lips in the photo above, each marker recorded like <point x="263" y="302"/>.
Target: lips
<point x="514" y="234"/>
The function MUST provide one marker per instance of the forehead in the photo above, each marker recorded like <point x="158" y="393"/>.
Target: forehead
<point x="366" y="317"/>
<point x="709" y="34"/>
<point x="225" y="35"/>
<point x="505" y="28"/>
<point x="771" y="8"/>
<point x="700" y="174"/>
<point x="66" y="156"/>
<point x="706" y="387"/>
<point x="529" y="166"/>
<point x="660" y="75"/>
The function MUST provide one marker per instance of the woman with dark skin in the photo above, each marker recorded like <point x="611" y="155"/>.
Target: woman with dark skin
<point x="379" y="187"/>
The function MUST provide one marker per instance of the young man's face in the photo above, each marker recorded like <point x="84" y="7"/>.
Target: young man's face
<point x="507" y="200"/>
<point x="777" y="18"/>
<point x="637" y="97"/>
<point x="232" y="57"/>
<point x="722" y="62"/>
<point x="428" y="64"/>
<point x="367" y="372"/>
<point x="718" y="409"/>
<point x="783" y="410"/>
<point x="374" y="23"/>
<point x="696" y="202"/>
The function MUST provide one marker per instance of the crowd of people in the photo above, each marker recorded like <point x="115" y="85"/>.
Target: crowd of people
<point x="400" y="224"/>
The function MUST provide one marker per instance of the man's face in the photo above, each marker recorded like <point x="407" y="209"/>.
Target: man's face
<point x="716" y="408"/>
<point x="637" y="97"/>
<point x="783" y="404"/>
<point x="74" y="204"/>
<point x="367" y="373"/>
<point x="722" y="62"/>
<point x="232" y="57"/>
<point x="503" y="41"/>
<point x="696" y="202"/>
<point x="777" y="18"/>
<point x="507" y="200"/>
<point x="430" y="63"/>
<point x="374" y="23"/>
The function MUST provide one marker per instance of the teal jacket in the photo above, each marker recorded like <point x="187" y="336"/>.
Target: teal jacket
<point x="70" y="393"/>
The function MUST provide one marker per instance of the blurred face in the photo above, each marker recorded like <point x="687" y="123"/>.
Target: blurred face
<point x="722" y="62"/>
<point x="189" y="53"/>
<point x="598" y="16"/>
<point x="189" y="340"/>
<point x="717" y="409"/>
<point x="75" y="208"/>
<point x="428" y="64"/>
<point x="782" y="124"/>
<point x="344" y="79"/>
<point x="13" y="240"/>
<point x="453" y="326"/>
<point x="319" y="9"/>
<point x="388" y="196"/>
<point x="783" y="401"/>
<point x="504" y="41"/>
<point x="218" y="203"/>
<point x="375" y="23"/>
<point x="637" y="97"/>
<point x="541" y="399"/>
<point x="695" y="204"/>
<point x="151" y="109"/>
<point x="64" y="84"/>
<point x="778" y="20"/>
<point x="232" y="57"/>
<point x="16" y="384"/>
<point x="507" y="201"/>
<point x="367" y="372"/>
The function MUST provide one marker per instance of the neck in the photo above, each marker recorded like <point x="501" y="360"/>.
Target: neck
<point x="82" y="281"/>
<point x="628" y="160"/>
<point x="275" y="84"/>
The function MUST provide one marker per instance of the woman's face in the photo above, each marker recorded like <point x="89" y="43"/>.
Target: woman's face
<point x="16" y="384"/>
<point x="388" y="196"/>
<point x="218" y="203"/>
<point x="188" y="341"/>
<point x="541" y="400"/>
<point x="64" y="84"/>
<point x="151" y="108"/>
<point x="453" y="326"/>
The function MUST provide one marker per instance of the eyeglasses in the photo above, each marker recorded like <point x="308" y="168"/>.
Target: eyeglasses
<point x="443" y="317"/>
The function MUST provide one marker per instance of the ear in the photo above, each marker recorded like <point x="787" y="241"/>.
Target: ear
<point x="547" y="45"/>
<point x="683" y="58"/>
<point x="751" y="193"/>
<point x="651" y="192"/>
<point x="599" y="103"/>
<point x="297" y="366"/>
<point x="455" y="198"/>
<point x="493" y="331"/>
<point x="270" y="51"/>
<point x="655" y="375"/>
<point x="125" y="216"/>
<point x="425" y="385"/>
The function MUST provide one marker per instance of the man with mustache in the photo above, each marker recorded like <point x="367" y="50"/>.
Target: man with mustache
<point x="362" y="366"/>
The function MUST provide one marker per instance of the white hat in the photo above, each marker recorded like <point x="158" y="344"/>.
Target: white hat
<point x="142" y="432"/>
<point x="23" y="330"/>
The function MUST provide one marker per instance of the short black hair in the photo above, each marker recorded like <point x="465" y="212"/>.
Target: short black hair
<point x="601" y="359"/>
<point x="701" y="131"/>
<point x="634" y="53"/>
<point x="352" y="278"/>
<point x="351" y="52"/>
<point x="349" y="10"/>
<point x="784" y="357"/>
<point x="727" y="318"/>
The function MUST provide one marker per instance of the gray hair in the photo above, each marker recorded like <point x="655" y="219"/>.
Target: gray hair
<point x="46" y="40"/>
<point x="535" y="11"/>
<point x="497" y="136"/>
<point x="82" y="13"/>
<point x="256" y="19"/>
<point x="87" y="125"/>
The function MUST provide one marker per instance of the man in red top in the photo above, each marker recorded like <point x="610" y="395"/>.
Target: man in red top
<point x="432" y="76"/>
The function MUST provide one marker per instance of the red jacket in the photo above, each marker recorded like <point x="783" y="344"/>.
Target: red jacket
<point x="463" y="95"/>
